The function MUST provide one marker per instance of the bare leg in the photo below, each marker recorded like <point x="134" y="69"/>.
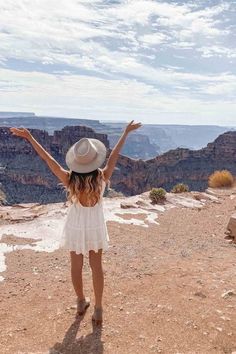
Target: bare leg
<point x="95" y="261"/>
<point x="76" y="274"/>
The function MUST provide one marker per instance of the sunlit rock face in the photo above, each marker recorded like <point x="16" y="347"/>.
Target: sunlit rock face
<point x="24" y="177"/>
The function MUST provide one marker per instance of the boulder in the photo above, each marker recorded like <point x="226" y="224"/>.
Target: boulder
<point x="231" y="228"/>
<point x="127" y="205"/>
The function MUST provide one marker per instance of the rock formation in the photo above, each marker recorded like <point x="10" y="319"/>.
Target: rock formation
<point x="231" y="229"/>
<point x="26" y="178"/>
<point x="176" y="166"/>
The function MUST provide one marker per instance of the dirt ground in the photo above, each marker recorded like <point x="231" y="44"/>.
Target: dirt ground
<point x="169" y="288"/>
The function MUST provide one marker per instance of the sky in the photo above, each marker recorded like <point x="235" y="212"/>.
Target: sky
<point x="171" y="62"/>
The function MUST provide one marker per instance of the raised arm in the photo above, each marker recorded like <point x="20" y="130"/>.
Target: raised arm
<point x="112" y="160"/>
<point x="55" y="167"/>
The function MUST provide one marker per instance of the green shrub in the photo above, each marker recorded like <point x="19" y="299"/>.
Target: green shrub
<point x="157" y="195"/>
<point x="180" y="188"/>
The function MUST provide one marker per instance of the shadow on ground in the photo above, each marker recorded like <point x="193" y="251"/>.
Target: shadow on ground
<point x="90" y="344"/>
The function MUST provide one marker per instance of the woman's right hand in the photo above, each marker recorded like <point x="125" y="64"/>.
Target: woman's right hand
<point x="23" y="132"/>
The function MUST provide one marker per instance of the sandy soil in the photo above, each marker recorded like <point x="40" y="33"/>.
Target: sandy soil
<point x="165" y="291"/>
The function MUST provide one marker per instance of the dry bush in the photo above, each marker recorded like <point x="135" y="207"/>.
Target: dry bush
<point x="180" y="188"/>
<point x="220" y="179"/>
<point x="157" y="195"/>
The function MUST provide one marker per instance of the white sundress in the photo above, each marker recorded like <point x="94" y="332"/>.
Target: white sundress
<point x="85" y="228"/>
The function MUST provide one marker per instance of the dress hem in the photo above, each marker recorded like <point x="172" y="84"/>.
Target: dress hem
<point x="84" y="252"/>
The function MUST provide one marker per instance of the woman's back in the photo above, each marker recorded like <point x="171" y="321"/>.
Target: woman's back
<point x="84" y="201"/>
<point x="85" y="226"/>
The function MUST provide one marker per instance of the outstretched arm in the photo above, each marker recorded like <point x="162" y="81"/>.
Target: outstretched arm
<point x="54" y="166"/>
<point x="112" y="160"/>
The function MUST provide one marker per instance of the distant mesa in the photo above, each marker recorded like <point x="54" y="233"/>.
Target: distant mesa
<point x="16" y="114"/>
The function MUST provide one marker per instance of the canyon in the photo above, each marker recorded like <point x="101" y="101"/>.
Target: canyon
<point x="151" y="139"/>
<point x="25" y="178"/>
<point x="138" y="146"/>
<point x="192" y="167"/>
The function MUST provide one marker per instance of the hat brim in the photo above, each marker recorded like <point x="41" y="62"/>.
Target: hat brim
<point x="92" y="166"/>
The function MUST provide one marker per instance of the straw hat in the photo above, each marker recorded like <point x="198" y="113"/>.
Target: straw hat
<point x="86" y="155"/>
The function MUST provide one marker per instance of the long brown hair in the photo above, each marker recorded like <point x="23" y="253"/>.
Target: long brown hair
<point x="89" y="184"/>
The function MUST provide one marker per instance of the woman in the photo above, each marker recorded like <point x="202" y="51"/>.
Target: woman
<point x="85" y="228"/>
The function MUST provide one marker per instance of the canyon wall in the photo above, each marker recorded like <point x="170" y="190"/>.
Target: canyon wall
<point x="192" y="167"/>
<point x="24" y="177"/>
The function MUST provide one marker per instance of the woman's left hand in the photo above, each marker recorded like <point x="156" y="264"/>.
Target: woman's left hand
<point x="132" y="126"/>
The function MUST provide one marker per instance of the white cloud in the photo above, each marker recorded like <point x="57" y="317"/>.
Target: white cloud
<point x="31" y="28"/>
<point x="149" y="50"/>
<point x="224" y="87"/>
<point x="91" y="97"/>
<point x="154" y="38"/>
<point x="217" y="51"/>
<point x="140" y="11"/>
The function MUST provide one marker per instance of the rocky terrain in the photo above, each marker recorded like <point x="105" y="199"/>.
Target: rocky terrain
<point x="25" y="178"/>
<point x="169" y="279"/>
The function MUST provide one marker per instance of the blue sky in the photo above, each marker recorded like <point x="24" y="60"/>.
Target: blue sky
<point x="153" y="61"/>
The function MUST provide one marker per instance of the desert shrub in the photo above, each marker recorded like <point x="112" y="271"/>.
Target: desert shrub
<point x="157" y="195"/>
<point x="221" y="179"/>
<point x="180" y="188"/>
